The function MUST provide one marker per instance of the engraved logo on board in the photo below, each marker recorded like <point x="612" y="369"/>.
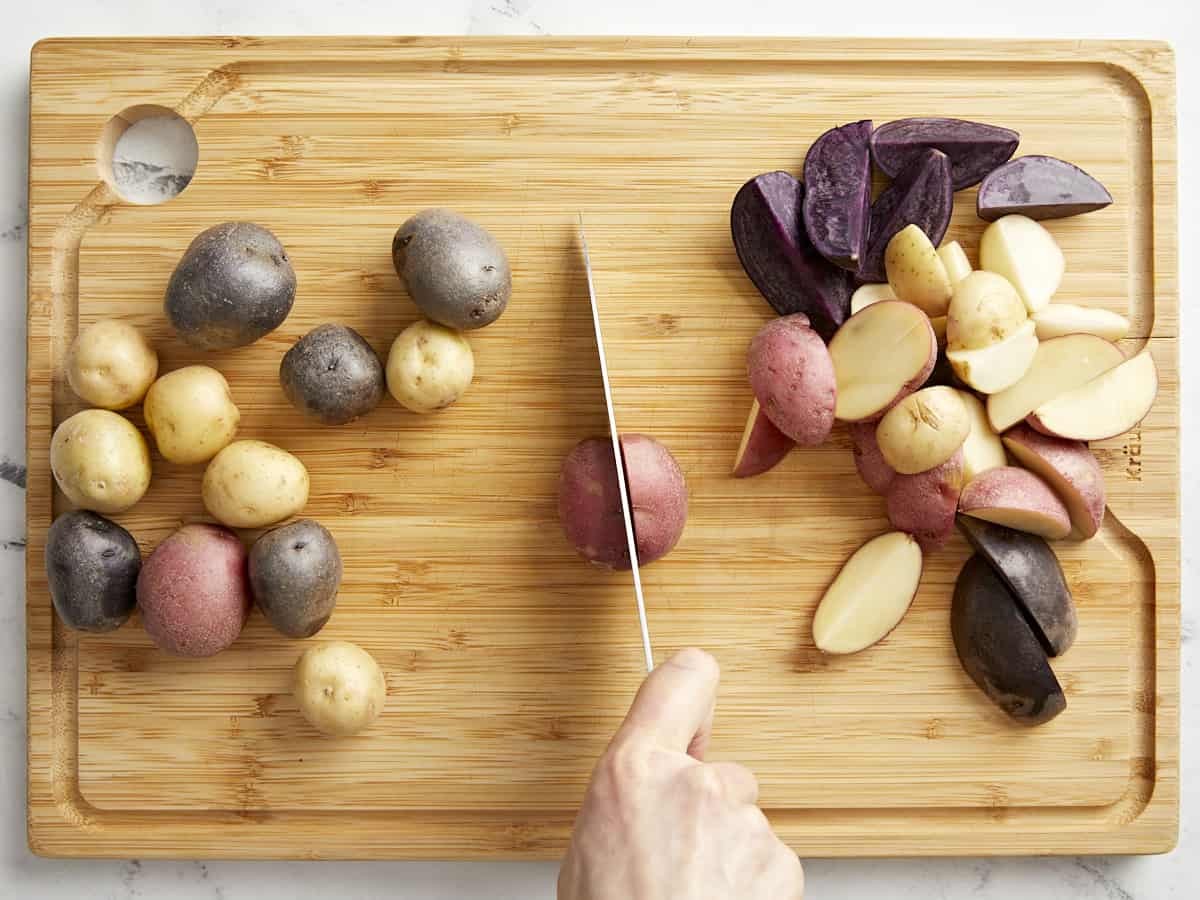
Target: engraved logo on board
<point x="1133" y="455"/>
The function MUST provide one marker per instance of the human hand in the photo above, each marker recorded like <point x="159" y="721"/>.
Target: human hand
<point x="658" y="823"/>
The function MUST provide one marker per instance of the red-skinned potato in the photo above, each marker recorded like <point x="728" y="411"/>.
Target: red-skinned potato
<point x="1017" y="499"/>
<point x="792" y="377"/>
<point x="924" y="504"/>
<point x="763" y="446"/>
<point x="880" y="356"/>
<point x="872" y="467"/>
<point x="589" y="500"/>
<point x="1069" y="467"/>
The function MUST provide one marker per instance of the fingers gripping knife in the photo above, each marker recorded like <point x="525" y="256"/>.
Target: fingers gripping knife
<point x="622" y="483"/>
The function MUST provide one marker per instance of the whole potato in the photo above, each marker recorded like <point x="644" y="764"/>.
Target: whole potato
<point x="100" y="461"/>
<point x="191" y="414"/>
<point x="234" y="284"/>
<point x="295" y="571"/>
<point x="589" y="500"/>
<point x="332" y="375"/>
<point x="455" y="271"/>
<point x="193" y="592"/>
<point x="251" y="484"/>
<point x="339" y="688"/>
<point x="92" y="567"/>
<point x="111" y="365"/>
<point x="429" y="367"/>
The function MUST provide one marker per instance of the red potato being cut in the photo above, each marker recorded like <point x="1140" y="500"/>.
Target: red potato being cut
<point x="924" y="504"/>
<point x="1017" y="499"/>
<point x="1059" y="366"/>
<point x="1106" y="406"/>
<point x="792" y="376"/>
<point x="763" y="446"/>
<point x="880" y="356"/>
<point x="1067" y="466"/>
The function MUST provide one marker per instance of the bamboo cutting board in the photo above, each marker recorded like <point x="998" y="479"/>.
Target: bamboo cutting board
<point x="509" y="661"/>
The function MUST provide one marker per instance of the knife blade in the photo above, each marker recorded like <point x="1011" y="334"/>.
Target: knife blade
<point x="622" y="484"/>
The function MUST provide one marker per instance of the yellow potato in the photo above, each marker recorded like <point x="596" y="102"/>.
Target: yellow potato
<point x="252" y="484"/>
<point x="984" y="310"/>
<point x="100" y="461"/>
<point x="916" y="273"/>
<point x="429" y="367"/>
<point x="923" y="430"/>
<point x="339" y="688"/>
<point x="954" y="258"/>
<point x="110" y="365"/>
<point x="191" y="414"/>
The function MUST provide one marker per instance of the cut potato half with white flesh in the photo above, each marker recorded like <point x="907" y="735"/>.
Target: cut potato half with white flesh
<point x="1017" y="499"/>
<point x="1070" y="468"/>
<point x="1058" y="319"/>
<point x="954" y="258"/>
<point x="880" y="355"/>
<point x="1106" y="406"/>
<point x="763" y="445"/>
<point x="923" y="430"/>
<point x="1060" y="365"/>
<point x="870" y="595"/>
<point x="998" y="366"/>
<point x="867" y="294"/>
<point x="916" y="272"/>
<point x="982" y="450"/>
<point x="1025" y="253"/>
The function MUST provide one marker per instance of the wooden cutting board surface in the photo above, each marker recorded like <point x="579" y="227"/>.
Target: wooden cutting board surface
<point x="508" y="660"/>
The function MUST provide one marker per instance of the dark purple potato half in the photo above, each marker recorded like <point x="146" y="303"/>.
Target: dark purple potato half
<point x="837" y="193"/>
<point x="774" y="249"/>
<point x="921" y="195"/>
<point x="974" y="148"/>
<point x="1040" y="187"/>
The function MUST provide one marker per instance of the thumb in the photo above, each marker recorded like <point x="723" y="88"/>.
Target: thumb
<point x="675" y="703"/>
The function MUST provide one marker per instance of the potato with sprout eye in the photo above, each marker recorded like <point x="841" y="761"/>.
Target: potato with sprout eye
<point x="429" y="367"/>
<point x="339" y="688"/>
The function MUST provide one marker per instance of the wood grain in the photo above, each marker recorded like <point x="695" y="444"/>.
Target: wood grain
<point x="509" y="662"/>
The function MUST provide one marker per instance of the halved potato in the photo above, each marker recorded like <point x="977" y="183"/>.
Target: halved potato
<point x="916" y="272"/>
<point x="1106" y="406"/>
<point x="998" y="366"/>
<point x="1060" y="365"/>
<point x="1018" y="499"/>
<point x="879" y="356"/>
<point x="1025" y="253"/>
<point x="1069" y="467"/>
<point x="1057" y="319"/>
<point x="870" y="595"/>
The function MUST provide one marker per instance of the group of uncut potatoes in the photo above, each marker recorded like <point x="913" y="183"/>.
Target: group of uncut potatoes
<point x="233" y="285"/>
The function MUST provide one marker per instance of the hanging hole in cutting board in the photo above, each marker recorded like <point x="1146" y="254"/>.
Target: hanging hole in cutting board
<point x="147" y="154"/>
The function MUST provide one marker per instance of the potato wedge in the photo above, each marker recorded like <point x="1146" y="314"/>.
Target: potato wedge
<point x="982" y="450"/>
<point x="1016" y="498"/>
<point x="954" y="258"/>
<point x="870" y="595"/>
<point x="763" y="446"/>
<point x="1025" y="253"/>
<point x="866" y="294"/>
<point x="916" y="272"/>
<point x="1056" y="319"/>
<point x="1070" y="468"/>
<point x="879" y="356"/>
<point x="1106" y="406"/>
<point x="996" y="367"/>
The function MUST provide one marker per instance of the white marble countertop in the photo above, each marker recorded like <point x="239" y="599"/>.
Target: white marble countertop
<point x="25" y="876"/>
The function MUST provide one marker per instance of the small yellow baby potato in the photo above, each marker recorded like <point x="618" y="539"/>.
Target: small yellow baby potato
<point x="191" y="414"/>
<point x="100" y="461"/>
<point x="339" y="688"/>
<point x="111" y="365"/>
<point x="429" y="367"/>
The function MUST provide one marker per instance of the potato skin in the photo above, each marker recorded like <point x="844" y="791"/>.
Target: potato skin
<point x="233" y="285"/>
<point x="924" y="504"/>
<point x="295" y="571"/>
<point x="923" y="430"/>
<point x="111" y="365"/>
<point x="455" y="271"/>
<point x="332" y="375"/>
<point x="791" y="374"/>
<point x="339" y="688"/>
<point x="100" y="461"/>
<point x="191" y="414"/>
<point x="193" y="592"/>
<point x="984" y="310"/>
<point x="252" y="484"/>
<point x="429" y="367"/>
<point x="589" y="500"/>
<point x="872" y="467"/>
<point x="92" y="567"/>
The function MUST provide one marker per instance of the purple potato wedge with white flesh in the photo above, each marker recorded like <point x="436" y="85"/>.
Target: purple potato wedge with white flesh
<point x="1032" y="572"/>
<point x="921" y="195"/>
<point x="974" y="148"/>
<point x="837" y="193"/>
<point x="774" y="249"/>
<point x="1039" y="187"/>
<point x="999" y="649"/>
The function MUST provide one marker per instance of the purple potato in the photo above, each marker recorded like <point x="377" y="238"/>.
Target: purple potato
<point x="973" y="147"/>
<point x="1040" y="187"/>
<point x="837" y="193"/>
<point x="92" y="567"/>
<point x="921" y="195"/>
<point x="999" y="650"/>
<point x="774" y="249"/>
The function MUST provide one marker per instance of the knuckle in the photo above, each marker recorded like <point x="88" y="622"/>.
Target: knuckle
<point x="626" y="763"/>
<point x="706" y="782"/>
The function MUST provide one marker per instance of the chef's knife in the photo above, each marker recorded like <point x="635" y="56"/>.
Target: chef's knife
<point x="626" y="514"/>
